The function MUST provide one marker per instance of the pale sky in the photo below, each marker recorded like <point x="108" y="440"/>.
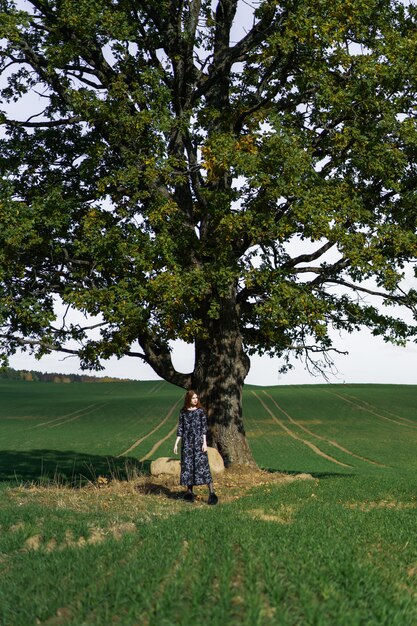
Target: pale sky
<point x="370" y="360"/>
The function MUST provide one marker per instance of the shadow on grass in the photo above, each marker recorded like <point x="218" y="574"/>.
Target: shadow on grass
<point x="66" y="467"/>
<point x="319" y="475"/>
<point x="150" y="488"/>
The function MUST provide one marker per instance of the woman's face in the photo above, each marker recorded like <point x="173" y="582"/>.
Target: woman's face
<point x="194" y="400"/>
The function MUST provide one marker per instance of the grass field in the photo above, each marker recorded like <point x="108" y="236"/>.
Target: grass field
<point x="338" y="549"/>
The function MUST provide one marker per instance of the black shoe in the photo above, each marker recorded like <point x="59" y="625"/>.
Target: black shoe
<point x="212" y="499"/>
<point x="189" y="496"/>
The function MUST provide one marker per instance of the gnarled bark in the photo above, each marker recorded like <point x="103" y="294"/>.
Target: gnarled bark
<point x="221" y="367"/>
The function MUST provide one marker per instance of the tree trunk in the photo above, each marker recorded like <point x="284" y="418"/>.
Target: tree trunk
<point x="220" y="369"/>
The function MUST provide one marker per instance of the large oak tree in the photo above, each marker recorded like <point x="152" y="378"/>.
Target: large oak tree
<point x="168" y="163"/>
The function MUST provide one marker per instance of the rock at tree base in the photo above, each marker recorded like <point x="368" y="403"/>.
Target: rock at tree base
<point x="170" y="466"/>
<point x="165" y="465"/>
<point x="215" y="461"/>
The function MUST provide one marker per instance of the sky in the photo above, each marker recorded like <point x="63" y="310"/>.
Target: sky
<point x="370" y="359"/>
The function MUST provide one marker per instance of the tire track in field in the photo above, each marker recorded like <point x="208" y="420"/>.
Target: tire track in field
<point x="371" y="410"/>
<point x="312" y="446"/>
<point x="78" y="413"/>
<point x="139" y="441"/>
<point x="156" y="387"/>
<point x="72" y="419"/>
<point x="329" y="441"/>
<point x="171" y="574"/>
<point x="159" y="443"/>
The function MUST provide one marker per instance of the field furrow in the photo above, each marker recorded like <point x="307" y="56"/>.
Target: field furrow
<point x="158" y="444"/>
<point x="73" y="415"/>
<point x="76" y="417"/>
<point x="321" y="438"/>
<point x="292" y="434"/>
<point x="367" y="408"/>
<point x="149" y="434"/>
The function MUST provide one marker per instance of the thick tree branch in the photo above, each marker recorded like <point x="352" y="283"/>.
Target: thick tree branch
<point x="43" y="124"/>
<point x="402" y="300"/>
<point x="158" y="356"/>
<point x="19" y="341"/>
<point x="307" y="258"/>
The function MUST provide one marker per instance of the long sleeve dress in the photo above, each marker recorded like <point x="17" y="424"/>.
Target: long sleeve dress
<point x="195" y="469"/>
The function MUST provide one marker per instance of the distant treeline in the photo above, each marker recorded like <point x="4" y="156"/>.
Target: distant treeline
<point x="9" y="373"/>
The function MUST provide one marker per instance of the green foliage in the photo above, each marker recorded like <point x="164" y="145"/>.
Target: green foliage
<point x="167" y="170"/>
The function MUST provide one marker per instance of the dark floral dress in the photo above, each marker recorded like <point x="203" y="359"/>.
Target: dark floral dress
<point x="195" y="469"/>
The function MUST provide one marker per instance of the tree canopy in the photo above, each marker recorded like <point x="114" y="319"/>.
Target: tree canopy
<point x="187" y="169"/>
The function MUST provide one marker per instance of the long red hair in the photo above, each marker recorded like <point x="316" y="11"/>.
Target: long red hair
<point x="187" y="400"/>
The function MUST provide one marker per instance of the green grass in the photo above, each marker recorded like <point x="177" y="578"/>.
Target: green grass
<point x="80" y="430"/>
<point x="337" y="550"/>
<point x="374" y="427"/>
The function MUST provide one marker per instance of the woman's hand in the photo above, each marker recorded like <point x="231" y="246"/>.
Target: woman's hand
<point x="178" y="439"/>
<point x="204" y="447"/>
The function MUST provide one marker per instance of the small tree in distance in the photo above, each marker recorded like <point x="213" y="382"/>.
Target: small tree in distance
<point x="170" y="165"/>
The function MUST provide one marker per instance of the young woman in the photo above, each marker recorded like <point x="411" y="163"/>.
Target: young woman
<point x="192" y="431"/>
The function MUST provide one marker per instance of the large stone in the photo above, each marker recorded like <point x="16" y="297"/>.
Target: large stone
<point x="165" y="465"/>
<point x="172" y="467"/>
<point x="215" y="461"/>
